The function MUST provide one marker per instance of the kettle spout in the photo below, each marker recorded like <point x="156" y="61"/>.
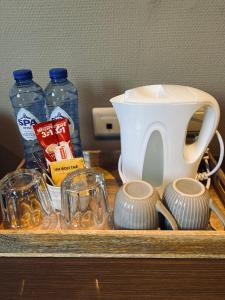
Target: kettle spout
<point x="117" y="103"/>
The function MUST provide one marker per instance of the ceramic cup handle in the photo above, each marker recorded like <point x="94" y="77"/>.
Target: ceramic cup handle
<point x="220" y="215"/>
<point x="161" y="208"/>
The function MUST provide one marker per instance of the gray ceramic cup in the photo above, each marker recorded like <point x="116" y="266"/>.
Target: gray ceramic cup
<point x="137" y="205"/>
<point x="189" y="202"/>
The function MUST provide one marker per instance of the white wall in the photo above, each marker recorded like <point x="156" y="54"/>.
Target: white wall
<point x="109" y="46"/>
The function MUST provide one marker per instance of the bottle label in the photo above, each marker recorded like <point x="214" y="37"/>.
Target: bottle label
<point x="59" y="113"/>
<point x="25" y="121"/>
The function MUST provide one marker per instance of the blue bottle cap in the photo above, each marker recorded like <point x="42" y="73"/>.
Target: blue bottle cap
<point x="23" y="74"/>
<point x="58" y="73"/>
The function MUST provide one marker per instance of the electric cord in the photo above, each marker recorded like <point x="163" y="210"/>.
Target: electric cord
<point x="208" y="183"/>
<point x="206" y="161"/>
<point x="205" y="175"/>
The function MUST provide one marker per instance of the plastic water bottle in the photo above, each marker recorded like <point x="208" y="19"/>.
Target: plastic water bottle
<point x="62" y="102"/>
<point x="28" y="102"/>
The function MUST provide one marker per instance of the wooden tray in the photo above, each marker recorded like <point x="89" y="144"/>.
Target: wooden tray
<point x="119" y="243"/>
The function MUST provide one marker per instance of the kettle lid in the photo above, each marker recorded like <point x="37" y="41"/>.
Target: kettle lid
<point x="163" y="93"/>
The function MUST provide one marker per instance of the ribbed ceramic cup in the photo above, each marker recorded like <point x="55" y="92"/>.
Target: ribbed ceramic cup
<point x="137" y="206"/>
<point x="189" y="202"/>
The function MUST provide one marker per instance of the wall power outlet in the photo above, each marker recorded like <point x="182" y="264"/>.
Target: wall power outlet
<point x="105" y="122"/>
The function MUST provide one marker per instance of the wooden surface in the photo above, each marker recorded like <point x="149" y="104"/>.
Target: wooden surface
<point x="218" y="179"/>
<point x="130" y="279"/>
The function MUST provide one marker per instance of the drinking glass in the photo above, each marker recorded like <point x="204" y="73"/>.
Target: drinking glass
<point x="25" y="200"/>
<point x="84" y="200"/>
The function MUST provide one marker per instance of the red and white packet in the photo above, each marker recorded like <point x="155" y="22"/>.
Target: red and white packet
<point x="65" y="148"/>
<point x="54" y="138"/>
<point x="47" y="139"/>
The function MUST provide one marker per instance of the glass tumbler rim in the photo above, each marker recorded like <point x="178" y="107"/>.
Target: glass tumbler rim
<point x="73" y="187"/>
<point x="35" y="177"/>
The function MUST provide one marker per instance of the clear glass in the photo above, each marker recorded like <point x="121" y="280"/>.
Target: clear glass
<point x="25" y="201"/>
<point x="84" y="201"/>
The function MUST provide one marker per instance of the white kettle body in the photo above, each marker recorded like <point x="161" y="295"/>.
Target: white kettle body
<point x="153" y="126"/>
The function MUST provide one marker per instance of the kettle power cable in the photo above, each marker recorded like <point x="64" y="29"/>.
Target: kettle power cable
<point x="206" y="175"/>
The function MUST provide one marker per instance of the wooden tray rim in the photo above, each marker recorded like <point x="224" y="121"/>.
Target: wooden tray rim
<point x="113" y="243"/>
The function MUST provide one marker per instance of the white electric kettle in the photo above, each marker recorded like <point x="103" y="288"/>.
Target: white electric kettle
<point x="153" y="126"/>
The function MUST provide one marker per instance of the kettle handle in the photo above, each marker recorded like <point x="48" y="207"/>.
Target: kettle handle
<point x="211" y="118"/>
<point x="122" y="177"/>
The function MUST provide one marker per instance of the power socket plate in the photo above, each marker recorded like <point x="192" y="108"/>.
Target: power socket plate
<point x="105" y="122"/>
